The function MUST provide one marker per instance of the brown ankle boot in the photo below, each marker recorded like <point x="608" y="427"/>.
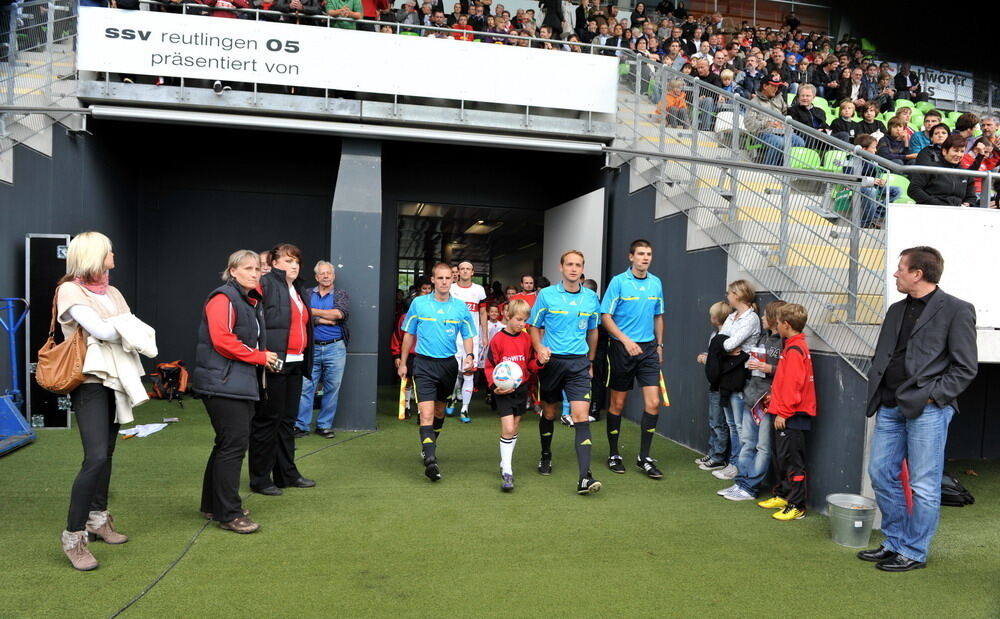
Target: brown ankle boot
<point x="101" y="525"/>
<point x="74" y="544"/>
<point x="240" y="525"/>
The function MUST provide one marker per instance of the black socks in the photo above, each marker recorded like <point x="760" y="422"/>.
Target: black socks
<point x="648" y="430"/>
<point x="545" y="429"/>
<point x="583" y="445"/>
<point x="614" y="430"/>
<point x="427" y="443"/>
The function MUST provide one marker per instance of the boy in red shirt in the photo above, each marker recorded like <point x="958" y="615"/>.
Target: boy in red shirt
<point x="793" y="404"/>
<point x="511" y="344"/>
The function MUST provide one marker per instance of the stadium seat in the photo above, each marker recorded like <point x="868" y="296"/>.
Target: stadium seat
<point x="896" y="180"/>
<point x="821" y="102"/>
<point x="834" y="160"/>
<point x="903" y="103"/>
<point x="953" y="116"/>
<point x="924" y="106"/>
<point x="803" y="158"/>
<point x="790" y="98"/>
<point x="410" y="34"/>
<point x="623" y="69"/>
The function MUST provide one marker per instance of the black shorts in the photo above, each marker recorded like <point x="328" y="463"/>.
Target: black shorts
<point x="569" y="373"/>
<point x="433" y="378"/>
<point x="511" y="403"/>
<point x="643" y="368"/>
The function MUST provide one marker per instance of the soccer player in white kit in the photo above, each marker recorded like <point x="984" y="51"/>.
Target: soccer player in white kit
<point x="474" y="297"/>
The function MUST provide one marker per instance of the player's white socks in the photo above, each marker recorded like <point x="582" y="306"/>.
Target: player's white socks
<point x="466" y="392"/>
<point x="507" y="453"/>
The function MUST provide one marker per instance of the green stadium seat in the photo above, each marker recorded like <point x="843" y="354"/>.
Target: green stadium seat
<point x="896" y="180"/>
<point x="410" y="34"/>
<point x="803" y="158"/>
<point x="623" y="70"/>
<point x="924" y="106"/>
<point x="790" y="98"/>
<point x="953" y="116"/>
<point x="904" y="103"/>
<point x="820" y="101"/>
<point x="834" y="160"/>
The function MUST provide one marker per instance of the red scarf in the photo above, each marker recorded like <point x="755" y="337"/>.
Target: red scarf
<point x="100" y="286"/>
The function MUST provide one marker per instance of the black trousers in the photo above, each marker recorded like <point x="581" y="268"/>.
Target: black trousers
<point x="790" y="465"/>
<point x="272" y="438"/>
<point x="94" y="405"/>
<point x="220" y="490"/>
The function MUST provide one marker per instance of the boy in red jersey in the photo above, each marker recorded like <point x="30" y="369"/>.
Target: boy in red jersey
<point x="793" y="404"/>
<point x="511" y="344"/>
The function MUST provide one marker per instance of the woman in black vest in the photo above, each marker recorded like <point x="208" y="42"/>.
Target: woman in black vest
<point x="227" y="374"/>
<point x="289" y="334"/>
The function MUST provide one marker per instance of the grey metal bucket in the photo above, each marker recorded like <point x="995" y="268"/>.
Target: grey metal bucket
<point x="851" y="518"/>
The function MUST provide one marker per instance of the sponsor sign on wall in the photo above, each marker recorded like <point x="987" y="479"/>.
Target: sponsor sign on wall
<point x="237" y="50"/>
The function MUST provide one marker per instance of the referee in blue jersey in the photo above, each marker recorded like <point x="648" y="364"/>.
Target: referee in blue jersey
<point x="632" y="313"/>
<point x="435" y="320"/>
<point x="563" y="327"/>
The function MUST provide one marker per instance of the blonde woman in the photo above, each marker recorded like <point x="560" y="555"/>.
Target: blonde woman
<point x="230" y="352"/>
<point x="85" y="299"/>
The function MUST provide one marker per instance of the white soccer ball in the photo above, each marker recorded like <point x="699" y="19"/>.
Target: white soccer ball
<point x="507" y="375"/>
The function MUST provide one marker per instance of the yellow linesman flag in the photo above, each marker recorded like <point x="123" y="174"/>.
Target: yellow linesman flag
<point x="402" y="399"/>
<point x="663" y="390"/>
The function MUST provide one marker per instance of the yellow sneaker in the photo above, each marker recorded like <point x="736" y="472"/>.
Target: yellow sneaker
<point x="789" y="513"/>
<point x="775" y="502"/>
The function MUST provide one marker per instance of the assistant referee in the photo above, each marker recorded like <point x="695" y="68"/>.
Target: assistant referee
<point x="435" y="320"/>
<point x="563" y="328"/>
<point x="632" y="312"/>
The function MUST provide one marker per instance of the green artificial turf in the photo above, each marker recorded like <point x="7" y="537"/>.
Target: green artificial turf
<point x="376" y="538"/>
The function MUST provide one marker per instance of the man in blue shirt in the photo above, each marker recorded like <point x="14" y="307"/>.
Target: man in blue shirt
<point x="329" y="306"/>
<point x="434" y="320"/>
<point x="563" y="328"/>
<point x="632" y="312"/>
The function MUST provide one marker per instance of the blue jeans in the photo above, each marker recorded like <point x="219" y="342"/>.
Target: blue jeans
<point x="718" y="432"/>
<point x="871" y="203"/>
<point x="706" y="113"/>
<point x="755" y="452"/>
<point x="774" y="146"/>
<point x="921" y="441"/>
<point x="328" y="366"/>
<point x="734" y="418"/>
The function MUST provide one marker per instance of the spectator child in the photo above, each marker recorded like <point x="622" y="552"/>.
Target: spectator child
<point x="493" y="326"/>
<point x="719" y="435"/>
<point x="893" y="146"/>
<point x="793" y="405"/>
<point x="905" y="114"/>
<point x="755" y="432"/>
<point x="922" y="139"/>
<point x="872" y="211"/>
<point x="511" y="344"/>
<point x="982" y="157"/>
<point x="675" y="103"/>
<point x="463" y="24"/>
<point x="845" y="128"/>
<point x="741" y="328"/>
<point x="869" y="124"/>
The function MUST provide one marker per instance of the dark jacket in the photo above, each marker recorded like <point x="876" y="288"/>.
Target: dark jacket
<point x="807" y="116"/>
<point x="821" y="78"/>
<point x="278" y="315"/>
<point x="944" y="189"/>
<point x="726" y="373"/>
<point x="759" y="385"/>
<point x="929" y="155"/>
<point x="215" y="375"/>
<point x="893" y="150"/>
<point x="900" y="82"/>
<point x="839" y="125"/>
<point x="310" y="10"/>
<point x="941" y="355"/>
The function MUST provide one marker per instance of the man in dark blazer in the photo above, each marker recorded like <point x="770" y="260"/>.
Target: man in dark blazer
<point x="925" y="358"/>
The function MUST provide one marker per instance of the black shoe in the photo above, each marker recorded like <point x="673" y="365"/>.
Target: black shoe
<point x="899" y="563"/>
<point x="325" y="432"/>
<point x="616" y="464"/>
<point x="876" y="555"/>
<point x="268" y="491"/>
<point x="301" y="482"/>
<point x="545" y="465"/>
<point x="648" y="465"/>
<point x="431" y="470"/>
<point x="588" y="486"/>
<point x="300" y="433"/>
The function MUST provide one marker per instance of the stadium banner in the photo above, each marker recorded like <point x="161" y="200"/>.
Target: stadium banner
<point x="238" y="50"/>
<point x="945" y="85"/>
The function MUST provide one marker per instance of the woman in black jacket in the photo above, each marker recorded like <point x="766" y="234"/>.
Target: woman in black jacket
<point x="931" y="154"/>
<point x="226" y="376"/>
<point x="288" y="324"/>
<point x="945" y="189"/>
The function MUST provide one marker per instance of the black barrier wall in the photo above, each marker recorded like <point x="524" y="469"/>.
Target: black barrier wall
<point x="693" y="281"/>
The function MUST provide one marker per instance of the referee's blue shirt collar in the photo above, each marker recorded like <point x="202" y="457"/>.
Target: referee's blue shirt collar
<point x="559" y="286"/>
<point x="629" y="274"/>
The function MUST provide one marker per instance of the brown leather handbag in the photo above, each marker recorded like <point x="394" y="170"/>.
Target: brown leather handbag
<point x="60" y="366"/>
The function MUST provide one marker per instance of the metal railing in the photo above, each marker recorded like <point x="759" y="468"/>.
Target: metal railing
<point x="803" y="221"/>
<point x="36" y="60"/>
